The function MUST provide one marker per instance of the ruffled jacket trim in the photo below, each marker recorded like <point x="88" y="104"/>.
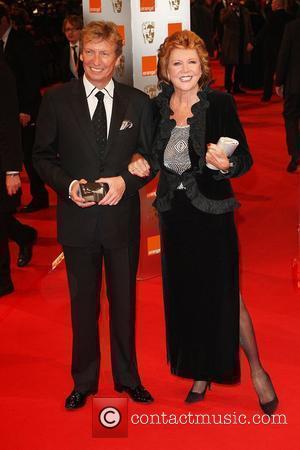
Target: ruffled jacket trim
<point x="197" y="145"/>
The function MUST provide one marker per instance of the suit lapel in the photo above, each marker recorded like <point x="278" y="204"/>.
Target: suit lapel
<point x="118" y="114"/>
<point x="80" y="109"/>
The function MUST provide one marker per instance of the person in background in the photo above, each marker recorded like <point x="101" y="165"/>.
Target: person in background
<point x="202" y="23"/>
<point x="70" y="62"/>
<point x="11" y="158"/>
<point x="237" y="44"/>
<point x="253" y="76"/>
<point x="287" y="85"/>
<point x="270" y="36"/>
<point x="206" y="318"/>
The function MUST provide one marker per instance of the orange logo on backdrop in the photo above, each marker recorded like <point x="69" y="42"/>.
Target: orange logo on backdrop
<point x="173" y="27"/>
<point x="95" y="6"/>
<point x="147" y="5"/>
<point x="121" y="30"/>
<point x="148" y="66"/>
<point x="153" y="245"/>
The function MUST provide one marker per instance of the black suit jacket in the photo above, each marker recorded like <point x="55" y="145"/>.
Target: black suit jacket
<point x="288" y="63"/>
<point x="10" y="140"/>
<point x="271" y="33"/>
<point x="21" y="56"/>
<point x="66" y="149"/>
<point x="64" y="65"/>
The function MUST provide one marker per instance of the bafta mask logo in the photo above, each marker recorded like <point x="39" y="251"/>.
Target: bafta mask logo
<point x="174" y="4"/>
<point x="117" y="5"/>
<point x="120" y="69"/>
<point x="148" y="32"/>
<point x="151" y="90"/>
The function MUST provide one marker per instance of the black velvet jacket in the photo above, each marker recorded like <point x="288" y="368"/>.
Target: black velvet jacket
<point x="215" y="115"/>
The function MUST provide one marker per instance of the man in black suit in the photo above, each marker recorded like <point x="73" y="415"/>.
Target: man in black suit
<point x="270" y="37"/>
<point x="236" y="45"/>
<point x="10" y="165"/>
<point x="70" y="63"/>
<point x="19" y="53"/>
<point x="88" y="129"/>
<point x="287" y="84"/>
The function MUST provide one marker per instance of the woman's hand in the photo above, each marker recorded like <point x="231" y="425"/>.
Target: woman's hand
<point x="139" y="166"/>
<point x="217" y="157"/>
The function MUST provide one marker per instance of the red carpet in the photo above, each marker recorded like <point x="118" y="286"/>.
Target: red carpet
<point x="35" y="332"/>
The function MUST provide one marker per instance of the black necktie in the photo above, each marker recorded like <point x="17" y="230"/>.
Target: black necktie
<point x="74" y="47"/>
<point x="100" y="124"/>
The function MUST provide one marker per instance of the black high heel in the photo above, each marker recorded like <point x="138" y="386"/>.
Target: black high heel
<point x="270" y="407"/>
<point x="194" y="397"/>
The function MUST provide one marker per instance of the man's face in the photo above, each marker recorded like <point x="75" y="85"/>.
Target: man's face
<point x="148" y="32"/>
<point x="99" y="61"/>
<point x="275" y="5"/>
<point x="72" y="33"/>
<point x="117" y="5"/>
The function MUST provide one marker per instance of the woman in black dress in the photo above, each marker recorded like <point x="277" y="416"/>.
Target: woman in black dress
<point x="196" y="210"/>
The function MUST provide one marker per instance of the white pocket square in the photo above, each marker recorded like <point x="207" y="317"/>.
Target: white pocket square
<point x="126" y="124"/>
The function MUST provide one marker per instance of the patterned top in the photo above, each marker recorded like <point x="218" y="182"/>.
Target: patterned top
<point x="176" y="156"/>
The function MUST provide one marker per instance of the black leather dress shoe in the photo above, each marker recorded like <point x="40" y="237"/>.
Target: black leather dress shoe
<point x="5" y="290"/>
<point x="138" y="394"/>
<point x="239" y="91"/>
<point x="25" y="252"/>
<point x="76" y="400"/>
<point x="34" y="206"/>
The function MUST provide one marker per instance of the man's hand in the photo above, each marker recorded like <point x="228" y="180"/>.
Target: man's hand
<point x="279" y="90"/>
<point x="24" y="119"/>
<point x="117" y="188"/>
<point x="217" y="157"/>
<point x="139" y="166"/>
<point x="74" y="194"/>
<point x="13" y="184"/>
<point x="249" y="47"/>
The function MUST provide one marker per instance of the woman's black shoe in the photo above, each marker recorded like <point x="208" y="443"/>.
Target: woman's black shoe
<point x="194" y="397"/>
<point x="270" y="407"/>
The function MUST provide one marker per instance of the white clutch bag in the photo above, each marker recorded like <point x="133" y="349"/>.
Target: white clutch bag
<point x="228" y="145"/>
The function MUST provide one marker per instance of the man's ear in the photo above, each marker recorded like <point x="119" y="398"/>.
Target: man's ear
<point x="118" y="62"/>
<point x="81" y="57"/>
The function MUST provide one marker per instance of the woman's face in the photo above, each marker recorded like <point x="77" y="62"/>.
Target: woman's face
<point x="184" y="69"/>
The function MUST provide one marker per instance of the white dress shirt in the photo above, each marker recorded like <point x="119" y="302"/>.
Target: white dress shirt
<point x="5" y="37"/>
<point x="73" y="66"/>
<point x="91" y="91"/>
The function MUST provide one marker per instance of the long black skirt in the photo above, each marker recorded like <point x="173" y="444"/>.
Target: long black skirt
<point x="200" y="269"/>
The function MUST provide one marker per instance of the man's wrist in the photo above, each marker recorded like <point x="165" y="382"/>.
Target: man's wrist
<point x="12" y="173"/>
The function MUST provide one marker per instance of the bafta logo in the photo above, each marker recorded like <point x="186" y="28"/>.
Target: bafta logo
<point x="151" y="90"/>
<point x="174" y="4"/>
<point x="117" y="5"/>
<point x="148" y="32"/>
